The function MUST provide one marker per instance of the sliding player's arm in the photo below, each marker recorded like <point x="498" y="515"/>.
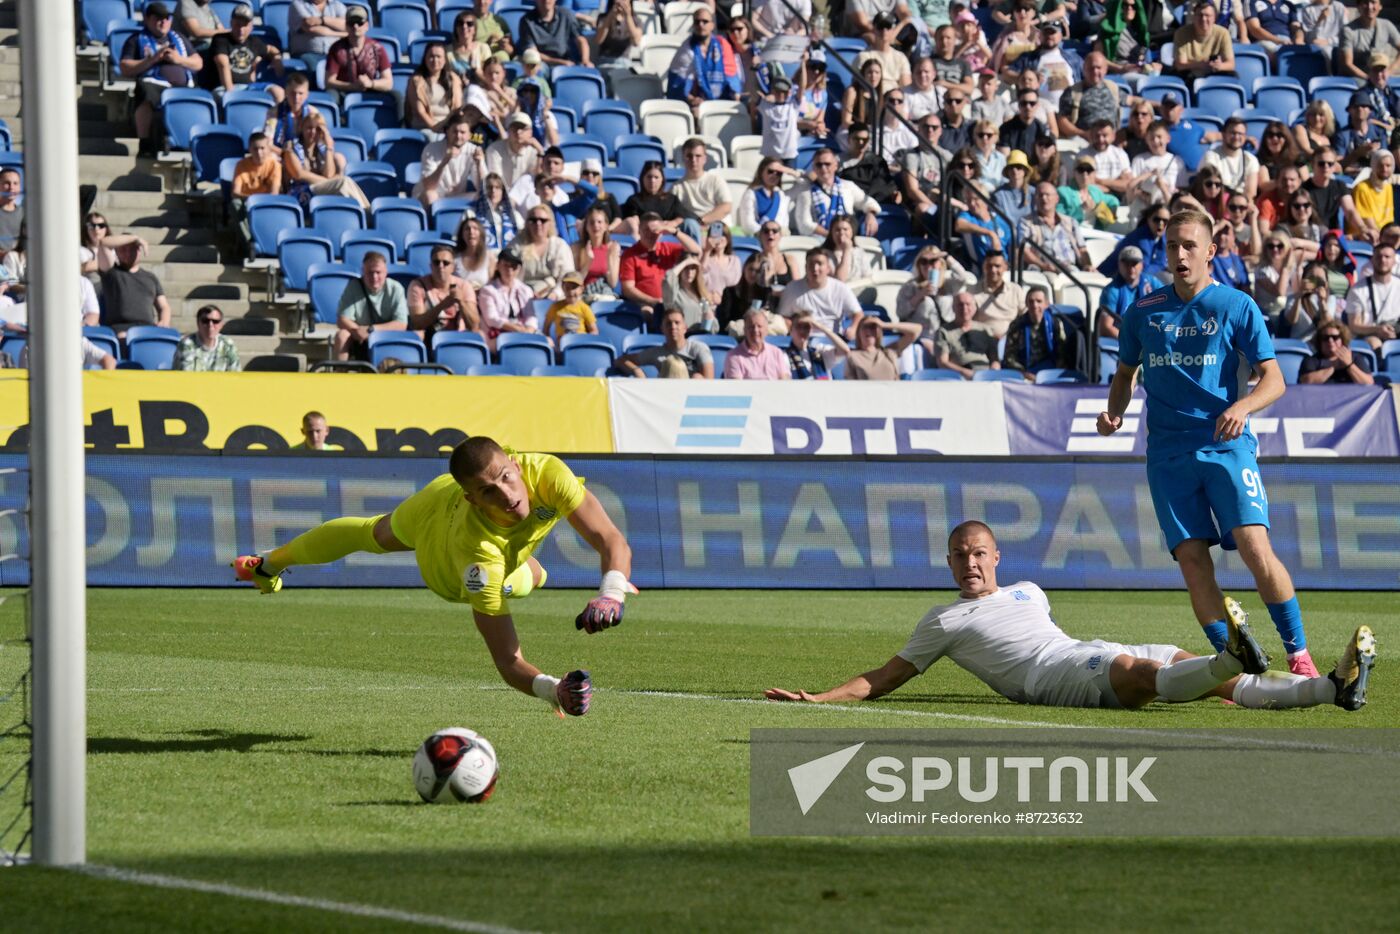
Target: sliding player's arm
<point x="571" y="695"/>
<point x="593" y="524"/>
<point x="1265" y="393"/>
<point x="867" y="686"/>
<point x="1120" y="393"/>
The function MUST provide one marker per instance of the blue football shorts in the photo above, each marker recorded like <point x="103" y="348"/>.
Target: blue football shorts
<point x="1207" y="494"/>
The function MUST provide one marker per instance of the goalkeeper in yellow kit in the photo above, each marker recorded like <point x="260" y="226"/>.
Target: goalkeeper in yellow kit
<point x="473" y="531"/>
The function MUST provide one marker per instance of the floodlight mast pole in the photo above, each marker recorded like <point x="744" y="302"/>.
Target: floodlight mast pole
<point x="58" y="610"/>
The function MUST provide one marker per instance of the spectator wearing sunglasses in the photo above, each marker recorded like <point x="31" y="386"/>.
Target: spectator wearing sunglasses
<point x="207" y="350"/>
<point x="1330" y="196"/>
<point x="1022" y="130"/>
<point x="1333" y="361"/>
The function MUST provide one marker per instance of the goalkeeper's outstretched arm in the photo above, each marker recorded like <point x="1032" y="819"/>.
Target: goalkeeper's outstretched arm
<point x="868" y="686"/>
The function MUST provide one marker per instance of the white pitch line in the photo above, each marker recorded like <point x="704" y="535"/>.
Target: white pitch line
<point x="296" y="901"/>
<point x="1263" y="742"/>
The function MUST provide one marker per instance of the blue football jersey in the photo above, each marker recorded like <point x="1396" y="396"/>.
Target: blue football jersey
<point x="1196" y="358"/>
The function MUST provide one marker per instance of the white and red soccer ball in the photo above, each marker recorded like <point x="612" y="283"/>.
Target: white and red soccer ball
<point x="455" y="765"/>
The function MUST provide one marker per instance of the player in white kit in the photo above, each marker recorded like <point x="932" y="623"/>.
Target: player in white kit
<point x="1008" y="639"/>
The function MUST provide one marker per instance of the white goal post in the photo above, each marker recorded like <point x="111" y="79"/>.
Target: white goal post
<point x="58" y="601"/>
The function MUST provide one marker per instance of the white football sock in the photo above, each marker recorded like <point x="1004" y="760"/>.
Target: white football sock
<point x="1191" y="678"/>
<point x="1278" y="690"/>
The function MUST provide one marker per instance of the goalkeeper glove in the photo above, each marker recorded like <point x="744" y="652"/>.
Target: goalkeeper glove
<point x="605" y="609"/>
<point x="574" y="693"/>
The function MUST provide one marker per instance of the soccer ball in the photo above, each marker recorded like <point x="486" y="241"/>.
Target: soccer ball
<point x="455" y="765"/>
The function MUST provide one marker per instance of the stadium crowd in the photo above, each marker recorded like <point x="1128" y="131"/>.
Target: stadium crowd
<point x="994" y="172"/>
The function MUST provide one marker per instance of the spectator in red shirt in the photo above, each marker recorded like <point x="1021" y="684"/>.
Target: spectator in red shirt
<point x="645" y="263"/>
<point x="357" y="62"/>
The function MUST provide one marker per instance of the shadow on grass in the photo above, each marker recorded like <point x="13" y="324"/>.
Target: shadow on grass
<point x="192" y="741"/>
<point x="822" y="885"/>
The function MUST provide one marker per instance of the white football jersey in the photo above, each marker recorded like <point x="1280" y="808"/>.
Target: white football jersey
<point x="1001" y="638"/>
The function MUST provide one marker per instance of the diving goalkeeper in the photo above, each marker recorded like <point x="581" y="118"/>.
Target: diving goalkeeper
<point x="473" y="531"/>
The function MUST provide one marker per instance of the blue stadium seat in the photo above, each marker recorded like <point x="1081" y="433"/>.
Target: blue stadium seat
<point x="609" y="120"/>
<point x="587" y="353"/>
<point x="565" y="118"/>
<point x="228" y="167"/>
<point x="632" y="152"/>
<point x="297" y="251"/>
<point x="401" y="18"/>
<point x="350" y="144"/>
<point x="118" y="31"/>
<point x="1279" y="97"/>
<point x="807" y="149"/>
<point x="275" y="14"/>
<point x="447" y="215"/>
<point x="933" y="374"/>
<point x="491" y="369"/>
<point x="104" y="338"/>
<point x="183" y="109"/>
<point x="580" y="146"/>
<point x="1335" y="91"/>
<point x="577" y="85"/>
<point x="1251" y="62"/>
<point x="151" y="346"/>
<point x="269" y="215"/>
<point x="1108" y="359"/>
<point x="405" y="346"/>
<point x="512" y="18"/>
<point x="1365" y="357"/>
<point x="334" y="215"/>
<point x="419" y="246"/>
<point x="1390" y="353"/>
<point x="396" y="218"/>
<point x="1291" y="354"/>
<point x="376" y="179"/>
<point x="419" y="40"/>
<point x="997" y="376"/>
<point x="247" y="113"/>
<point x="328" y="104"/>
<point x="356" y="244"/>
<point x="13" y="347"/>
<point x="1154" y="87"/>
<point x="368" y="117"/>
<point x="399" y="147"/>
<point x="522" y="352"/>
<point x="619" y="184"/>
<point x="460" y="350"/>
<point x="637" y="341"/>
<point x="1054" y="375"/>
<point x="97" y="14"/>
<point x="448" y="10"/>
<point x="1220" y="95"/>
<point x="326" y="282"/>
<point x="1302" y="63"/>
<point x="556" y="370"/>
<point x="209" y="146"/>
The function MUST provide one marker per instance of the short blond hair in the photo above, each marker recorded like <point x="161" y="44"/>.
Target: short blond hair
<point x="1192" y="216"/>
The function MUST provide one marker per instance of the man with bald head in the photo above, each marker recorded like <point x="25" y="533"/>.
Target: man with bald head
<point x="1007" y="638"/>
<point x="1090" y="99"/>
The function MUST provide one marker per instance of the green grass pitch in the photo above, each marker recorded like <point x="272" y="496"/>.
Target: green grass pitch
<point x="265" y="742"/>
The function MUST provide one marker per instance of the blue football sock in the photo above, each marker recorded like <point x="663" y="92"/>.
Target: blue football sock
<point x="1288" y="620"/>
<point x="1216" y="633"/>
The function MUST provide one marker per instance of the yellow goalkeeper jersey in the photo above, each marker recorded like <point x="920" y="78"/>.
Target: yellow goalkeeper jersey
<point x="466" y="558"/>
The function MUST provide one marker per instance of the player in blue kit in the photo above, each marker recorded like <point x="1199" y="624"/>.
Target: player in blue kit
<point x="1197" y="343"/>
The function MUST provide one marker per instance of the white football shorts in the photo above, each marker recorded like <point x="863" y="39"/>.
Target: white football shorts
<point x="1078" y="676"/>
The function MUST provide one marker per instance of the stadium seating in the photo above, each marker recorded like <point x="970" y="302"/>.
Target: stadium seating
<point x="1279" y="97"/>
<point x="447" y="215"/>
<point x="1291" y="354"/>
<point x="184" y="109"/>
<point x="247" y="113"/>
<point x="576" y="86"/>
<point x="335" y="215"/>
<point x="520" y="353"/>
<point x="460" y="350"/>
<point x="419" y="246"/>
<point x="933" y="374"/>
<point x="404" y="346"/>
<point x="401" y="18"/>
<point x="587" y="353"/>
<point x="297" y="251"/>
<point x="209" y="146"/>
<point x="350" y="144"/>
<point x="1302" y="63"/>
<point x="998" y="376"/>
<point x="326" y="283"/>
<point x="358" y="243"/>
<point x="1056" y="375"/>
<point x="579" y="146"/>
<point x="667" y="120"/>
<point x="634" y="341"/>
<point x="1219" y="95"/>
<point x="395" y="218"/>
<point x="490" y="369"/>
<point x="399" y="148"/>
<point x="275" y="14"/>
<point x="1251" y="63"/>
<point x="609" y="120"/>
<point x="556" y="370"/>
<point x="1335" y="91"/>
<point x="1156" y="87"/>
<point x="97" y="14"/>
<point x="376" y="179"/>
<point x="634" y="151"/>
<point x="151" y="346"/>
<point x="270" y="215"/>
